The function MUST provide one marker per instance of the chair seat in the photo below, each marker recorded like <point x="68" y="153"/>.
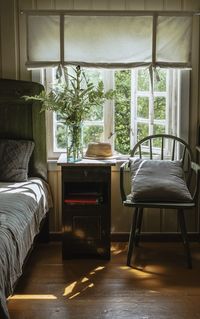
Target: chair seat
<point x="173" y="205"/>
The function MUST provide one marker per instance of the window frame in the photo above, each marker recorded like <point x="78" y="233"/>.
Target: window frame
<point x="181" y="78"/>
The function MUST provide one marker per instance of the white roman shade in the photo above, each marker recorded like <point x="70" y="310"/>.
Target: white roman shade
<point x="107" y="40"/>
<point x="99" y="40"/>
<point x="43" y="39"/>
<point x="173" y="40"/>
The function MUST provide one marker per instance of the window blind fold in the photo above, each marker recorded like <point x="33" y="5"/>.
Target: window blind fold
<point x="106" y="39"/>
<point x="44" y="38"/>
<point x="109" y="40"/>
<point x="173" y="39"/>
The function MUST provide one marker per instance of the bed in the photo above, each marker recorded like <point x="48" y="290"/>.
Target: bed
<point x="25" y="197"/>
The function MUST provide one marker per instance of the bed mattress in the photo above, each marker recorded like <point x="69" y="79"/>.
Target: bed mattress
<point x="22" y="208"/>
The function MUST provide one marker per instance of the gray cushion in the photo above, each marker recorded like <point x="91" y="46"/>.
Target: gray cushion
<point x="158" y="180"/>
<point x="14" y="159"/>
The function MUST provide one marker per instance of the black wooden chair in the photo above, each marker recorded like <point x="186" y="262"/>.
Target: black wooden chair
<point x="172" y="150"/>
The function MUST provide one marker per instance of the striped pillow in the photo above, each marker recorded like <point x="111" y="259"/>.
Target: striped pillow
<point x="14" y="159"/>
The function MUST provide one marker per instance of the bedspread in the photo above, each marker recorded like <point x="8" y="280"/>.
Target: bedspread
<point x="22" y="208"/>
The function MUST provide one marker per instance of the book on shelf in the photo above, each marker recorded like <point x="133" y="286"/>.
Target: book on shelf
<point x="83" y="198"/>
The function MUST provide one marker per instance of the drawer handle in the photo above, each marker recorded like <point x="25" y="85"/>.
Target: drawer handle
<point x="85" y="173"/>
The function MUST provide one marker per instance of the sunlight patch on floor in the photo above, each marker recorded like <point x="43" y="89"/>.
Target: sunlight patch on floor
<point x="68" y="290"/>
<point x="32" y="297"/>
<point x="77" y="287"/>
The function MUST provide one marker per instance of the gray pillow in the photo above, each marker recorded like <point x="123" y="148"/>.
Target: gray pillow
<point x="158" y="180"/>
<point x="14" y="159"/>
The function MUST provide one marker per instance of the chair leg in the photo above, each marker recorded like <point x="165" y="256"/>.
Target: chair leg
<point x="131" y="243"/>
<point x="181" y="218"/>
<point x="138" y="227"/>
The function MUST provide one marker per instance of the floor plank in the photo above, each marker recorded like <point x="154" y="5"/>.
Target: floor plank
<point x="159" y="286"/>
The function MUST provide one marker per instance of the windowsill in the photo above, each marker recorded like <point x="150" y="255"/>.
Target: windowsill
<point x="52" y="164"/>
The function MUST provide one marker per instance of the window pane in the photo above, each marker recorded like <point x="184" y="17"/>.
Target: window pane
<point x="158" y="129"/>
<point x="143" y="107"/>
<point x="142" y="131"/>
<point x="95" y="114"/>
<point x="58" y="117"/>
<point x="157" y="142"/>
<point x="160" y="76"/>
<point x="143" y="80"/>
<point x="92" y="133"/>
<point x="122" y="111"/>
<point x="159" y="107"/>
<point x="61" y="137"/>
<point x="94" y="76"/>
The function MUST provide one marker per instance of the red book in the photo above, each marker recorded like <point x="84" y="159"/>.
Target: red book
<point x="81" y="201"/>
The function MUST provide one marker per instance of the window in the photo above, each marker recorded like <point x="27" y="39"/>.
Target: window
<point x="138" y="112"/>
<point x="165" y="41"/>
<point x="135" y="113"/>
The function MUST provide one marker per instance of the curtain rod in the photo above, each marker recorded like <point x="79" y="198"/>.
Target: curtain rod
<point x="110" y="12"/>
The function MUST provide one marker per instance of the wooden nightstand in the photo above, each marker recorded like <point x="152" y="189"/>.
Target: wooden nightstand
<point x="86" y="208"/>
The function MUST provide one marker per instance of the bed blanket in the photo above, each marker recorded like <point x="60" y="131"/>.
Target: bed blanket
<point x="22" y="208"/>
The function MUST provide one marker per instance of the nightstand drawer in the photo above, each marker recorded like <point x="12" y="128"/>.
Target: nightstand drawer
<point x="70" y="174"/>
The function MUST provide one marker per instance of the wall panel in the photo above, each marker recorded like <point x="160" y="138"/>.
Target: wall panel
<point x="100" y="5"/>
<point x="134" y="4"/>
<point x="64" y="4"/>
<point x="172" y="4"/>
<point x="120" y="216"/>
<point x="82" y="5"/>
<point x="0" y="42"/>
<point x="194" y="106"/>
<point x="191" y="4"/>
<point x="8" y="39"/>
<point x="118" y="4"/>
<point x="168" y="221"/>
<point x="24" y="5"/>
<point x="44" y="4"/>
<point x="153" y="5"/>
<point x="54" y="178"/>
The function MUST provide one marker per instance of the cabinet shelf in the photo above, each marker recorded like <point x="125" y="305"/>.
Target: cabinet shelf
<point x="83" y="200"/>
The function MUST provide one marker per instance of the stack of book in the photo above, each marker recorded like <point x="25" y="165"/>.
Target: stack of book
<point x="85" y="198"/>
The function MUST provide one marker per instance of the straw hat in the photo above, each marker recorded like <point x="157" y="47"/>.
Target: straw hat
<point x="99" y="150"/>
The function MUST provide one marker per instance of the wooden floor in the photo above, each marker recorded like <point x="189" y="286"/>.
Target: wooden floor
<point x="159" y="287"/>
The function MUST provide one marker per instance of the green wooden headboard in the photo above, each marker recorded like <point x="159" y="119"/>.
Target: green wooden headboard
<point x="23" y="120"/>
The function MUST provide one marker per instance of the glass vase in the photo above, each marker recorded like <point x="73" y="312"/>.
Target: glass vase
<point x="74" y="143"/>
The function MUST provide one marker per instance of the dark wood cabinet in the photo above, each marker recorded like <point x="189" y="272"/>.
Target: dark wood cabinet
<point x="86" y="209"/>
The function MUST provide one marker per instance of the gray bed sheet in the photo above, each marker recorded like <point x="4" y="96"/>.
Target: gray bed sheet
<point x="22" y="208"/>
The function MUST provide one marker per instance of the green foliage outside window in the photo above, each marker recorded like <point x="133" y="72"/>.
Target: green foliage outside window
<point x="159" y="129"/>
<point x="143" y="80"/>
<point x="92" y="133"/>
<point x="143" y="107"/>
<point x="61" y="136"/>
<point x="122" y="111"/>
<point x="160" y="80"/>
<point x="95" y="114"/>
<point x="159" y="107"/>
<point x="142" y="131"/>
